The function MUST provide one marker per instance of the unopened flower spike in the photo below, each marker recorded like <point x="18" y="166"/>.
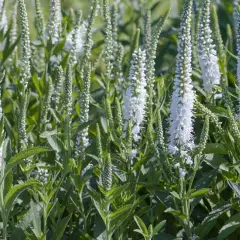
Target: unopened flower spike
<point x="99" y="145"/>
<point x="148" y="34"/>
<point x="238" y="61"/>
<point x="54" y="28"/>
<point x="118" y="72"/>
<point x="109" y="114"/>
<point x="107" y="174"/>
<point x="212" y="116"/>
<point x="206" y="48"/>
<point x="119" y="116"/>
<point x="82" y="137"/>
<point x="135" y="97"/>
<point x="25" y="44"/>
<point x="181" y="112"/>
<point x="47" y="100"/>
<point x="109" y="43"/>
<point x="39" y="20"/>
<point x="114" y="19"/>
<point x="88" y="38"/>
<point x="160" y="134"/>
<point x="58" y="85"/>
<point x="22" y="133"/>
<point x="152" y="51"/>
<point x="151" y="42"/>
<point x="68" y="91"/>
<point x="235" y="14"/>
<point x="204" y="136"/>
<point x="217" y="33"/>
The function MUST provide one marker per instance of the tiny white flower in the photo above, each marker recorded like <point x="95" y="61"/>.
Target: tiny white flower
<point x="177" y="165"/>
<point x="218" y="96"/>
<point x="189" y="160"/>
<point x="182" y="172"/>
<point x="133" y="154"/>
<point x="80" y="39"/>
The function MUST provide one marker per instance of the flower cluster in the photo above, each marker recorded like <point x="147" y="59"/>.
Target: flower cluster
<point x="206" y="48"/>
<point x="181" y="116"/>
<point x="80" y="39"/>
<point x="136" y="94"/>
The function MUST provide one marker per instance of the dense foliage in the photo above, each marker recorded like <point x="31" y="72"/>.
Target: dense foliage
<point x="123" y="124"/>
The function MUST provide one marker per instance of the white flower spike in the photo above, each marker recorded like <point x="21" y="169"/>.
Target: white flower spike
<point x="136" y="95"/>
<point x="181" y="116"/>
<point x="206" y="49"/>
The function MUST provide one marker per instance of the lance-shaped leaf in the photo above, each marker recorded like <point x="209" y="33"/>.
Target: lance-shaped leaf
<point x="20" y="157"/>
<point x="13" y="194"/>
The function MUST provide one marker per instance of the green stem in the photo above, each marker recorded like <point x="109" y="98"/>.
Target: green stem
<point x="185" y="207"/>
<point x="83" y="212"/>
<point x="45" y="221"/>
<point x="68" y="140"/>
<point x="109" y="235"/>
<point x="4" y="218"/>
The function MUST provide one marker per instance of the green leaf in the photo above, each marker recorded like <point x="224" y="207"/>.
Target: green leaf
<point x="114" y="192"/>
<point x="27" y="218"/>
<point x="36" y="219"/>
<point x="48" y="133"/>
<point x="198" y="193"/>
<point x="119" y="212"/>
<point x="8" y="182"/>
<point x="215" y="148"/>
<point x="7" y="52"/>
<point x="9" y="128"/>
<point x="176" y="213"/>
<point x="175" y="194"/>
<point x="100" y="208"/>
<point x="15" y="192"/>
<point x="37" y="85"/>
<point x="140" y="231"/>
<point x="234" y="187"/>
<point x="55" y="143"/>
<point x="21" y="156"/>
<point x="232" y="224"/>
<point x="61" y="226"/>
<point x="141" y="224"/>
<point x="59" y="47"/>
<point x="203" y="182"/>
<point x="158" y="227"/>
<point x="209" y="222"/>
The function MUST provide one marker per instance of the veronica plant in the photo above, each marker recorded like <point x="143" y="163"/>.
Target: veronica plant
<point x="181" y="116"/>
